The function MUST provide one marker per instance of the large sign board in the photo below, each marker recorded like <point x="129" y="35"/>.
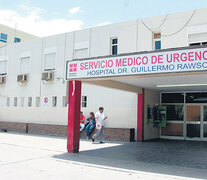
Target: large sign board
<point x="137" y="64"/>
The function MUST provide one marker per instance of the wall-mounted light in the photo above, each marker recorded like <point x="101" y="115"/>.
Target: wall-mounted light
<point x="178" y="85"/>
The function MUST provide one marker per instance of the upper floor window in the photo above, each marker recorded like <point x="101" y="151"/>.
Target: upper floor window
<point x="3" y="37"/>
<point x="114" y="46"/>
<point x="157" y="40"/>
<point x="50" y="61"/>
<point x="25" y="65"/>
<point x="197" y="39"/>
<point x="3" y="67"/>
<point x="80" y="53"/>
<point x="198" y="44"/>
<point x="16" y="40"/>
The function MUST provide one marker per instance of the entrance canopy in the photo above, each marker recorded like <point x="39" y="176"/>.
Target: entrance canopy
<point x="164" y="70"/>
<point x="180" y="69"/>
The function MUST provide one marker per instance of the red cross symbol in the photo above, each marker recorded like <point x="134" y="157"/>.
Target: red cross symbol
<point x="73" y="68"/>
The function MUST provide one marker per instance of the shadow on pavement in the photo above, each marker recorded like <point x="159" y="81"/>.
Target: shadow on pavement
<point x="180" y="158"/>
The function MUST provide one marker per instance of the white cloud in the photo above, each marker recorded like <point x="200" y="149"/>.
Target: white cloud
<point x="103" y="23"/>
<point x="74" y="10"/>
<point x="33" y="23"/>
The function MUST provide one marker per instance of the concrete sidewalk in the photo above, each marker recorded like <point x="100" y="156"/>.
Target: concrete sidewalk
<point x="31" y="157"/>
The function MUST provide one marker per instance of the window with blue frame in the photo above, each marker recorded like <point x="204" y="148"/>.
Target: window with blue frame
<point x="157" y="40"/>
<point x="3" y="37"/>
<point x="157" y="45"/>
<point x="16" y="40"/>
<point x="114" y="46"/>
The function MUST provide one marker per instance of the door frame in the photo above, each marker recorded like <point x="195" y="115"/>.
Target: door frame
<point x="202" y="123"/>
<point x="193" y="122"/>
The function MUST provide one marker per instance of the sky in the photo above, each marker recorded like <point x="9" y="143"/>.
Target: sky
<point x="49" y="17"/>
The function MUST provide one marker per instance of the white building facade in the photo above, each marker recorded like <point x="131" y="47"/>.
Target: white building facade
<point x="26" y="98"/>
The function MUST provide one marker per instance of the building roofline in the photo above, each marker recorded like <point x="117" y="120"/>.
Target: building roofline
<point x="13" y="29"/>
<point x="141" y="52"/>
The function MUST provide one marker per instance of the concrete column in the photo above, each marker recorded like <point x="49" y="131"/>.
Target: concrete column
<point x="140" y="121"/>
<point x="74" y="102"/>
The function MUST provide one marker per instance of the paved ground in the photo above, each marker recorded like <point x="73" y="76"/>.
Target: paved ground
<point x="29" y="157"/>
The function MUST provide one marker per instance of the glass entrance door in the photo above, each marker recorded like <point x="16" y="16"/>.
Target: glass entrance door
<point x="193" y="121"/>
<point x="186" y="115"/>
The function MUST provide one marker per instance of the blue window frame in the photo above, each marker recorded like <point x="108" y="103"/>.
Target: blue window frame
<point x="114" y="49"/>
<point x="114" y="46"/>
<point x="157" y="45"/>
<point x="114" y="41"/>
<point x="16" y="40"/>
<point x="3" y="37"/>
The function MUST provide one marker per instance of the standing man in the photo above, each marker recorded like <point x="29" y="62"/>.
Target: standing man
<point x="99" y="117"/>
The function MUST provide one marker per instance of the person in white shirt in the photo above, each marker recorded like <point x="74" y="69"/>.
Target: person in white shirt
<point x="99" y="117"/>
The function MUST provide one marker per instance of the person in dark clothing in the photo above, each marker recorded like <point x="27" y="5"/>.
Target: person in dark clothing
<point x="91" y="124"/>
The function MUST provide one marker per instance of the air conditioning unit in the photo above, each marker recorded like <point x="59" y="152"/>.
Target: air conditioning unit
<point x="22" y="78"/>
<point x="48" y="76"/>
<point x="2" y="79"/>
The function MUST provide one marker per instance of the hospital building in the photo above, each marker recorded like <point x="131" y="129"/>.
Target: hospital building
<point x="149" y="74"/>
